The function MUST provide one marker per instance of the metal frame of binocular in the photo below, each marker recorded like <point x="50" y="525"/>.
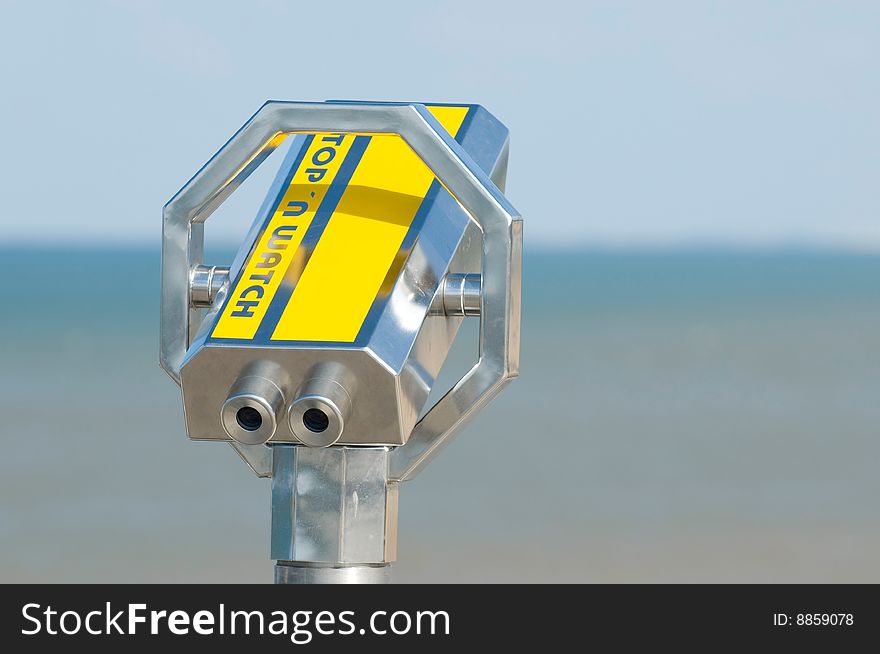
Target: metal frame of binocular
<point x="314" y="353"/>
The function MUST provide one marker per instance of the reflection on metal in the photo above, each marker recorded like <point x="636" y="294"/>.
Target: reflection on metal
<point x="335" y="423"/>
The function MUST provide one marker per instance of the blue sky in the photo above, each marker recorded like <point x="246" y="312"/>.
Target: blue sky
<point x="633" y="123"/>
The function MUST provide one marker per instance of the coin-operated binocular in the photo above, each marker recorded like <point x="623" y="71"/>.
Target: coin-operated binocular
<point x="314" y="353"/>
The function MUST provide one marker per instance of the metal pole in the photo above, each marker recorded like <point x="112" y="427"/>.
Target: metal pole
<point x="290" y="572"/>
<point x="334" y="515"/>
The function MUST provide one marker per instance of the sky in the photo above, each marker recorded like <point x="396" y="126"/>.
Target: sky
<point x="633" y="124"/>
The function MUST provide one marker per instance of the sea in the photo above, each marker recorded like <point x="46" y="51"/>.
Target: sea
<point x="682" y="415"/>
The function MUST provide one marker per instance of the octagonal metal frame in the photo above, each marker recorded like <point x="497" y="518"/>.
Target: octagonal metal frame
<point x="183" y="246"/>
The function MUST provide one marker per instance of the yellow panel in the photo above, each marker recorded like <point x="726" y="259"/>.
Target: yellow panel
<point x="280" y="240"/>
<point x="362" y="238"/>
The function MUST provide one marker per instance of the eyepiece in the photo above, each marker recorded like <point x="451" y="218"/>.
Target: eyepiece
<point x="249" y="414"/>
<point x="317" y="416"/>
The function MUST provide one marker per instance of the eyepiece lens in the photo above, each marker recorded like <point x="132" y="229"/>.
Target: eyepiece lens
<point x="316" y="420"/>
<point x="248" y="418"/>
